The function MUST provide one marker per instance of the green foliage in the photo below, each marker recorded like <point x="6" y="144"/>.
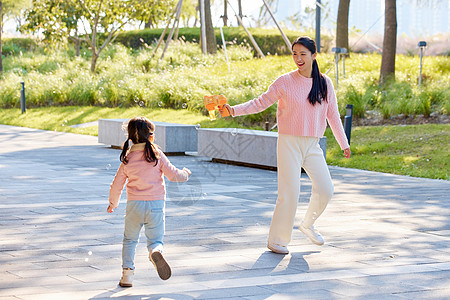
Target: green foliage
<point x="15" y="46"/>
<point x="129" y="78"/>
<point x="269" y="40"/>
<point x="59" y="21"/>
<point x="404" y="96"/>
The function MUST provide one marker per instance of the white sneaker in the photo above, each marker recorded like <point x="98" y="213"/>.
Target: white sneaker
<point x="313" y="235"/>
<point x="127" y="278"/>
<point x="161" y="265"/>
<point x="278" y="248"/>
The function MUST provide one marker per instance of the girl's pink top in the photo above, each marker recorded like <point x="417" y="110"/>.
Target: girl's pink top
<point x="145" y="180"/>
<point x="295" y="115"/>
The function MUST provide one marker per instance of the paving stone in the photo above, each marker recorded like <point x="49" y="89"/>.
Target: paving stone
<point x="387" y="236"/>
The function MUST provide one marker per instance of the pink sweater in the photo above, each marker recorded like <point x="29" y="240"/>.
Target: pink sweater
<point x="295" y="115"/>
<point x="145" y="180"/>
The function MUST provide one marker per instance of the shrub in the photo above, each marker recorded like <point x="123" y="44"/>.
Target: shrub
<point x="268" y="40"/>
<point x="127" y="77"/>
<point x="15" y="46"/>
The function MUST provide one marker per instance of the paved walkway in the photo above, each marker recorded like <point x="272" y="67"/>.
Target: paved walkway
<point x="386" y="236"/>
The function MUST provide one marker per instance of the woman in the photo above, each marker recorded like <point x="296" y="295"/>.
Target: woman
<point x="306" y="100"/>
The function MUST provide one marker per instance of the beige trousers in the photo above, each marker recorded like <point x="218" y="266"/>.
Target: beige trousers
<point x="293" y="153"/>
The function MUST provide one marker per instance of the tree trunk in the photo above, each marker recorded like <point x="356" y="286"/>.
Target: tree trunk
<point x="148" y="24"/>
<point x="225" y="13"/>
<point x="77" y="44"/>
<point x="387" y="71"/>
<point x="1" y="28"/>
<point x="240" y="8"/>
<point x="93" y="61"/>
<point x="77" y="47"/>
<point x="342" y="25"/>
<point x="211" y="45"/>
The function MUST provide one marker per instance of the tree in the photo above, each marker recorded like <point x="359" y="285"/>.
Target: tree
<point x="264" y="17"/>
<point x="387" y="71"/>
<point x="188" y="10"/>
<point x="9" y="8"/>
<point x="156" y="12"/>
<point x="342" y="24"/>
<point x="56" y="20"/>
<point x="100" y="19"/>
<point x="211" y="45"/>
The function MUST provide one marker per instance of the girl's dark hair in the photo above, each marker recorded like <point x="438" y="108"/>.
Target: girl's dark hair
<point x="319" y="86"/>
<point x="139" y="131"/>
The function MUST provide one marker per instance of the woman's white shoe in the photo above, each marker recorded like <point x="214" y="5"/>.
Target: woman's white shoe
<point x="278" y="248"/>
<point x="312" y="234"/>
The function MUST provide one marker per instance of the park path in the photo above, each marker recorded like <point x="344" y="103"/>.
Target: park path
<point x="386" y="236"/>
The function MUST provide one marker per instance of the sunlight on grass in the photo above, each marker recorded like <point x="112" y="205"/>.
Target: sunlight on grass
<point x="410" y="159"/>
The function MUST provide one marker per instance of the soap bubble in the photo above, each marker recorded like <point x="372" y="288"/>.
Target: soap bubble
<point x="234" y="132"/>
<point x="185" y="193"/>
<point x="184" y="105"/>
<point x="197" y="127"/>
<point x="108" y="166"/>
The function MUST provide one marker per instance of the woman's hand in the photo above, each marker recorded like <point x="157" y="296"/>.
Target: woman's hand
<point x="226" y="110"/>
<point x="111" y="208"/>
<point x="347" y="152"/>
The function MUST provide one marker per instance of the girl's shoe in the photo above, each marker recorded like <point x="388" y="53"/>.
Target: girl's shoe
<point x="127" y="278"/>
<point x="161" y="265"/>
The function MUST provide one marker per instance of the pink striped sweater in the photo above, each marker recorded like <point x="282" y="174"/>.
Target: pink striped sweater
<point x="295" y="115"/>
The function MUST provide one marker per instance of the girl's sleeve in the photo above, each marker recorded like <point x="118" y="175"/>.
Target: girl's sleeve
<point x="117" y="185"/>
<point x="334" y="118"/>
<point x="259" y="104"/>
<point x="170" y="171"/>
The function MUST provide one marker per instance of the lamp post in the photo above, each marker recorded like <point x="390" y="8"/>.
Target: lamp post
<point x="422" y="45"/>
<point x="339" y="51"/>
<point x="318" y="25"/>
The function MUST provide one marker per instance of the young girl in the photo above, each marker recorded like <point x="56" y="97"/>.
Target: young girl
<point x="143" y="166"/>
<point x="306" y="100"/>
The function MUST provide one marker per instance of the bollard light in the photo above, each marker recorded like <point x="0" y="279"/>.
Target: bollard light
<point x="348" y="121"/>
<point x="422" y="45"/>
<point x="22" y="98"/>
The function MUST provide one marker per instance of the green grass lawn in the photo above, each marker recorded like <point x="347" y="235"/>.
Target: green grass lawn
<point x="414" y="150"/>
<point x="419" y="150"/>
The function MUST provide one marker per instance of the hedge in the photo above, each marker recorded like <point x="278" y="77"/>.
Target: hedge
<point x="269" y="40"/>
<point x="13" y="46"/>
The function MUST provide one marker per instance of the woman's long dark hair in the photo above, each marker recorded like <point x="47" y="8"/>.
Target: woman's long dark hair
<point x="139" y="131"/>
<point x="319" y="86"/>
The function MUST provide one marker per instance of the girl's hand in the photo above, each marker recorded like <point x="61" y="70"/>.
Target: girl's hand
<point x="187" y="171"/>
<point x="111" y="208"/>
<point x="226" y="110"/>
<point x="347" y="152"/>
